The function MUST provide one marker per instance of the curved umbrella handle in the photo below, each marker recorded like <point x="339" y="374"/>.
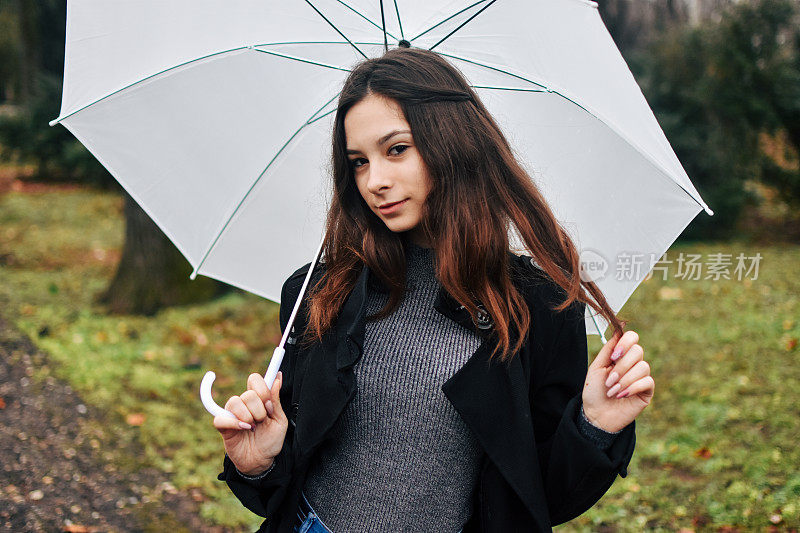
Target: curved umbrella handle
<point x="208" y="380"/>
<point x="277" y="355"/>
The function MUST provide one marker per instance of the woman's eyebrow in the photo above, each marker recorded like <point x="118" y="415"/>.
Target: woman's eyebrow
<point x="382" y="140"/>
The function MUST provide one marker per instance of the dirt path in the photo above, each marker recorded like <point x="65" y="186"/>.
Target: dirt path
<point x="63" y="470"/>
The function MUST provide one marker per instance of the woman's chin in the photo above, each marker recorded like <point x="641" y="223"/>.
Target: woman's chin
<point x="399" y="226"/>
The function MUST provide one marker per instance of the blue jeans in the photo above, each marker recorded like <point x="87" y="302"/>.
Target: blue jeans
<point x="307" y="520"/>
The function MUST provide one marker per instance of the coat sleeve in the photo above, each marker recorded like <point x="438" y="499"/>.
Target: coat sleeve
<point x="575" y="471"/>
<point x="264" y="495"/>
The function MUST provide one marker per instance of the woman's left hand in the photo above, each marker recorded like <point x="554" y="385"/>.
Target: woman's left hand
<point x="624" y="374"/>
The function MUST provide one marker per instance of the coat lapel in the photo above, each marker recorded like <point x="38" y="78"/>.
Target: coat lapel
<point x="328" y="381"/>
<point x="492" y="398"/>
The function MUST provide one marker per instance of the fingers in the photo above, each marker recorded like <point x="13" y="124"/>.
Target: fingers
<point x="603" y="357"/>
<point x="237" y="406"/>
<point x="633" y="356"/>
<point x="628" y="340"/>
<point x="274" y="404"/>
<point x="640" y="370"/>
<point x="225" y="422"/>
<point x="255" y="382"/>
<point x="645" y="387"/>
<point x="253" y="406"/>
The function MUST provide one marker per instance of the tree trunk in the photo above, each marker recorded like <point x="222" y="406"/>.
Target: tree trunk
<point x="152" y="273"/>
<point x="29" y="49"/>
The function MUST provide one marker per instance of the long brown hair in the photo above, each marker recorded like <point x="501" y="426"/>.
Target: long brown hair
<point x="479" y="192"/>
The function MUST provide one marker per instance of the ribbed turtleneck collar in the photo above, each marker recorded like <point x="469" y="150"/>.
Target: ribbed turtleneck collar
<point x="420" y="269"/>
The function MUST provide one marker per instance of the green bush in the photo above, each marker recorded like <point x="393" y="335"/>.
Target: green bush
<point x="723" y="93"/>
<point x="27" y="138"/>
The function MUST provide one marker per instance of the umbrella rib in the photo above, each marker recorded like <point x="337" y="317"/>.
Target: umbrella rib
<point x="383" y="27"/>
<point x="467" y="60"/>
<point x="59" y="119"/>
<point x="311" y="121"/>
<point x="310" y="42"/>
<point x="610" y="125"/>
<point x="366" y="18"/>
<point x="315" y="118"/>
<point x="253" y="185"/>
<point x="301" y="60"/>
<point x="399" y="22"/>
<point x="337" y="29"/>
<point x="448" y="18"/>
<point x="509" y="88"/>
<point x="484" y="8"/>
<point x="201" y="58"/>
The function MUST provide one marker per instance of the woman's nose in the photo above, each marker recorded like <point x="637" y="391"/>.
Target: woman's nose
<point x="380" y="178"/>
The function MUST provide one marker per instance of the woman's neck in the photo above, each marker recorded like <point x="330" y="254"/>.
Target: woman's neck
<point x="417" y="237"/>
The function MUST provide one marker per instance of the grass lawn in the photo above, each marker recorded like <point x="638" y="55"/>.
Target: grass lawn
<point x="716" y="449"/>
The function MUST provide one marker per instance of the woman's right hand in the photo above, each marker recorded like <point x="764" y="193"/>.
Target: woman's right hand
<point x="254" y="439"/>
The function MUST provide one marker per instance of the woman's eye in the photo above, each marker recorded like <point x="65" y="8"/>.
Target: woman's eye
<point x="358" y="162"/>
<point x="398" y="147"/>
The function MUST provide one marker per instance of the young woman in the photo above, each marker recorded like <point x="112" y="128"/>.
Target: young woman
<point x="434" y="381"/>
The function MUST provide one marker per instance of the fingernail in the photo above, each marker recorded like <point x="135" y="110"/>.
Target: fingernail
<point x="612" y="378"/>
<point x="623" y="394"/>
<point x="613" y="390"/>
<point x="244" y="425"/>
<point x="269" y="407"/>
<point x="280" y="374"/>
<point x="615" y="355"/>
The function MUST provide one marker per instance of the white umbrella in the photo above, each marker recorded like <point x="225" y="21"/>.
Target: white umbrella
<point x="216" y="117"/>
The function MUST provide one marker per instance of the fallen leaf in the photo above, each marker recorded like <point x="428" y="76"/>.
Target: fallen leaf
<point x="791" y="344"/>
<point x="201" y="339"/>
<point x="2" y="403"/>
<point x="36" y="495"/>
<point x="703" y="453"/>
<point x="76" y="528"/>
<point x="184" y="337"/>
<point x="669" y="293"/>
<point x="788" y="324"/>
<point x="135" y="419"/>
<point x="776" y="518"/>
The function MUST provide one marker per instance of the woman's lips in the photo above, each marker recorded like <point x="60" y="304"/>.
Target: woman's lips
<point x="388" y="209"/>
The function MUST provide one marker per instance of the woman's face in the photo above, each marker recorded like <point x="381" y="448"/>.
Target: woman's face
<point x="388" y="169"/>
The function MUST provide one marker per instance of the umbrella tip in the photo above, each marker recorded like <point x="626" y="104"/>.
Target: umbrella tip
<point x="708" y="210"/>
<point x="404" y="44"/>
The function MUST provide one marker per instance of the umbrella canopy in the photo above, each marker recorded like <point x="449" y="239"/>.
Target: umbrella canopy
<point x="216" y="117"/>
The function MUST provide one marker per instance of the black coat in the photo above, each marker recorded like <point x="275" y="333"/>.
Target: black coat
<point x="537" y="471"/>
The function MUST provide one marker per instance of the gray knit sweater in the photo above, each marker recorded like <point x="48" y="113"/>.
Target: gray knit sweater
<point x="401" y="458"/>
